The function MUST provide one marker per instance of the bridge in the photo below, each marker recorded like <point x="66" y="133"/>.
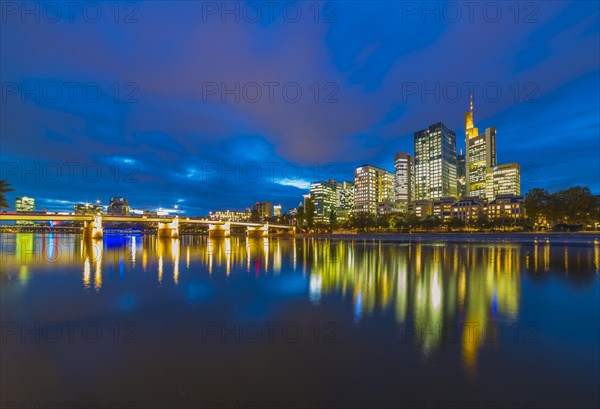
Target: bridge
<point x="168" y="227"/>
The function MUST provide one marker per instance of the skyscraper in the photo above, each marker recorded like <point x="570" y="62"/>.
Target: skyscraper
<point x="480" y="155"/>
<point x="403" y="179"/>
<point x="503" y="179"/>
<point x="325" y="198"/>
<point x="264" y="209"/>
<point x="372" y="185"/>
<point x="435" y="163"/>
<point x="461" y="174"/>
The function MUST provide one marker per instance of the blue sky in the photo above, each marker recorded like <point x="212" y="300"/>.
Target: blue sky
<point x="140" y="99"/>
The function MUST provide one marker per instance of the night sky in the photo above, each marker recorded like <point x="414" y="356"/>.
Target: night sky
<point x="369" y="73"/>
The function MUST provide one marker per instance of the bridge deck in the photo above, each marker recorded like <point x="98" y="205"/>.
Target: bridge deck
<point x="133" y="219"/>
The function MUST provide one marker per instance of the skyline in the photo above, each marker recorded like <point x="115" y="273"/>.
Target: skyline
<point x="165" y="145"/>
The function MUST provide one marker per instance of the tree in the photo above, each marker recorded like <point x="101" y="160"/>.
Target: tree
<point x="300" y="218"/>
<point x="255" y="217"/>
<point x="577" y="205"/>
<point x="310" y="213"/>
<point x="362" y="220"/>
<point x="537" y="202"/>
<point x="4" y="188"/>
<point x="332" y="218"/>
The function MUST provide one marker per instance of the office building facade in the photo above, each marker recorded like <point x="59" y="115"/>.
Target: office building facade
<point x="480" y="155"/>
<point x="404" y="179"/>
<point x="503" y="179"/>
<point x="118" y="206"/>
<point x="372" y="185"/>
<point x="435" y="163"/>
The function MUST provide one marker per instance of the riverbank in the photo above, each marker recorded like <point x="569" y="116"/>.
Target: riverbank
<point x="467" y="237"/>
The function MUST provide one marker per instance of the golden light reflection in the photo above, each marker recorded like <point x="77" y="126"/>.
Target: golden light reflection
<point x="431" y="286"/>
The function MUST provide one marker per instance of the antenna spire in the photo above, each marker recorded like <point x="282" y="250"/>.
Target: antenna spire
<point x="471" y="102"/>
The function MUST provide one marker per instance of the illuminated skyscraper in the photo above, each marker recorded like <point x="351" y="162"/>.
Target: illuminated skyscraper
<point x="372" y="185"/>
<point x="264" y="209"/>
<point x="404" y="179"/>
<point x="277" y="210"/>
<point x="325" y="197"/>
<point x="461" y="174"/>
<point x="503" y="179"/>
<point x="435" y="163"/>
<point x="480" y="155"/>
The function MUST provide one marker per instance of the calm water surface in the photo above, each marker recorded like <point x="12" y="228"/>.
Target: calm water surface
<point x="136" y="321"/>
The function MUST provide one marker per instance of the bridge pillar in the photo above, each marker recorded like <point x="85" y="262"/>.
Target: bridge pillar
<point x="169" y="230"/>
<point x="92" y="229"/>
<point x="258" y="231"/>
<point x="219" y="230"/>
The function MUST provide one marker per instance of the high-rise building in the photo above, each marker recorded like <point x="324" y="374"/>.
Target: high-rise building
<point x="264" y="209"/>
<point x="347" y="197"/>
<point x="480" y="155"/>
<point x="435" y="163"/>
<point x="87" y="208"/>
<point x="24" y="204"/>
<point x="503" y="179"/>
<point x="372" y="185"/>
<point x="404" y="179"/>
<point x="461" y="174"/>
<point x="277" y="210"/>
<point x="118" y="206"/>
<point x="324" y="195"/>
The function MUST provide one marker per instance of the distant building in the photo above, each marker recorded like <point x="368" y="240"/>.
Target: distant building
<point x="87" y="208"/>
<point x="461" y="174"/>
<point x="503" y="180"/>
<point x="24" y="204"/>
<point x="468" y="208"/>
<point x="390" y="207"/>
<point x="346" y="202"/>
<point x="231" y="215"/>
<point x="510" y="206"/>
<point x="420" y="208"/>
<point x="404" y="179"/>
<point x="480" y="155"/>
<point x="277" y="210"/>
<point x="264" y="209"/>
<point x="372" y="185"/>
<point x="118" y="206"/>
<point x="324" y="195"/>
<point x="346" y="197"/>
<point x="149" y="213"/>
<point x="442" y="208"/>
<point x="435" y="163"/>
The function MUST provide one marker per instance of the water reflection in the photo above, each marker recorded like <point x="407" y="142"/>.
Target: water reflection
<point x="440" y="289"/>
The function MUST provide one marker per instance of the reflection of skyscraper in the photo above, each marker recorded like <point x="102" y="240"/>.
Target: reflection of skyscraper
<point x="480" y="155"/>
<point x="403" y="178"/>
<point x="435" y="163"/>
